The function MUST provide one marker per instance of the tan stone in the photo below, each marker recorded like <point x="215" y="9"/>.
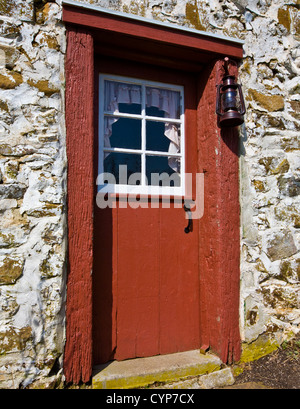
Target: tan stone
<point x="17" y="151"/>
<point x="3" y="106"/>
<point x="283" y="167"/>
<point x="6" y="7"/>
<point x="42" y="12"/>
<point x="193" y="15"/>
<point x="48" y="209"/>
<point x="258" y="185"/>
<point x="269" y="102"/>
<point x="284" y="17"/>
<point x="12" y="339"/>
<point x="10" y="271"/>
<point x="43" y="86"/>
<point x="290" y="144"/>
<point x="9" y="56"/>
<point x="296" y="109"/>
<point x="273" y="166"/>
<point x="288" y="214"/>
<point x="11" y="80"/>
<point x="50" y="40"/>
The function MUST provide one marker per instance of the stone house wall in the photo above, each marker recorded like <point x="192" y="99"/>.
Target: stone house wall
<point x="33" y="172"/>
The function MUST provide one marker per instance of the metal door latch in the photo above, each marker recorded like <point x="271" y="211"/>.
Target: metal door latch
<point x="189" y="227"/>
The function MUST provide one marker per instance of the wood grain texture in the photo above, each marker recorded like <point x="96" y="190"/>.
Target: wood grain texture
<point x="216" y="153"/>
<point x="146" y="280"/>
<point x="146" y="31"/>
<point x="80" y="135"/>
<point x="219" y="228"/>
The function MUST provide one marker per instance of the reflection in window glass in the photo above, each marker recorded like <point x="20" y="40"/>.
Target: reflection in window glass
<point x="122" y="97"/>
<point x="159" y="172"/>
<point x="131" y="164"/>
<point x="122" y="133"/>
<point x="163" y="100"/>
<point x="162" y="136"/>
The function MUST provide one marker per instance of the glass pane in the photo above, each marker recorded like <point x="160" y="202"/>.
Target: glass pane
<point x="122" y="133"/>
<point x="125" y="168"/>
<point x="162" y="171"/>
<point x="122" y="97"/>
<point x="162" y="137"/>
<point x="159" y="100"/>
<point x="155" y="111"/>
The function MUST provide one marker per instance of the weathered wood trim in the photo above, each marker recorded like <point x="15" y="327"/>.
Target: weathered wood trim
<point x="218" y="157"/>
<point x="219" y="235"/>
<point x="144" y="30"/>
<point x="80" y="137"/>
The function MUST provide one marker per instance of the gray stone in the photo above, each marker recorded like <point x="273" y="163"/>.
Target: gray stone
<point x="217" y="379"/>
<point x="289" y="186"/>
<point x="140" y="372"/>
<point x="12" y="191"/>
<point x="282" y="245"/>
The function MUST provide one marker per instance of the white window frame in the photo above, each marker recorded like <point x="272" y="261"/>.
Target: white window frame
<point x="142" y="189"/>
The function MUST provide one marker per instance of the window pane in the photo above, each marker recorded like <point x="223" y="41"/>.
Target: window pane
<point x="162" y="137"/>
<point x="122" y="133"/>
<point x="122" y="97"/>
<point x="162" y="171"/>
<point x="155" y="111"/>
<point x="130" y="165"/>
<point x="164" y="101"/>
<point x="130" y="108"/>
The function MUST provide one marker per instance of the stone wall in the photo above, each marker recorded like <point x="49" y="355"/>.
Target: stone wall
<point x="33" y="172"/>
<point x="32" y="191"/>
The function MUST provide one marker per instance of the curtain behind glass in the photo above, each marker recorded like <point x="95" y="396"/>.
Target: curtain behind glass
<point x="116" y="93"/>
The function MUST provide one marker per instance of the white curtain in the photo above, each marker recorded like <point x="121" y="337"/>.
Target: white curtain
<point x="165" y="100"/>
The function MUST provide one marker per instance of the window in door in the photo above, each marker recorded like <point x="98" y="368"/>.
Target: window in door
<point x="141" y="136"/>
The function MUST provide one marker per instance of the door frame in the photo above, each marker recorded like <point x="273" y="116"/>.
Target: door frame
<point x="90" y="31"/>
<point x="107" y="262"/>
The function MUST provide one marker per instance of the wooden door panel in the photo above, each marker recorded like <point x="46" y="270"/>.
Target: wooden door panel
<point x="148" y="284"/>
<point x="179" y="286"/>
<point x="148" y="302"/>
<point x="137" y="282"/>
<point x="104" y="280"/>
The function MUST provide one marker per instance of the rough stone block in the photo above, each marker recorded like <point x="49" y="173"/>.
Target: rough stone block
<point x="217" y="379"/>
<point x="17" y="8"/>
<point x="281" y="245"/>
<point x="12" y="191"/>
<point x="11" y="270"/>
<point x="289" y="186"/>
<point x="270" y="103"/>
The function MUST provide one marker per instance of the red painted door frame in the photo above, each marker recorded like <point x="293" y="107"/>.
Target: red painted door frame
<point x="126" y="326"/>
<point x="91" y="31"/>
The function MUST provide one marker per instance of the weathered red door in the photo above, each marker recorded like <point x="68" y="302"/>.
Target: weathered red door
<point x="146" y="272"/>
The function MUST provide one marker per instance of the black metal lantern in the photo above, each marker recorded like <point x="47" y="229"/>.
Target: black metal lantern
<point x="230" y="101"/>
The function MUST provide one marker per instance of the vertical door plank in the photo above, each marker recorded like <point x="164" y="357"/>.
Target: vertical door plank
<point x="138" y="283"/>
<point x="179" y="283"/>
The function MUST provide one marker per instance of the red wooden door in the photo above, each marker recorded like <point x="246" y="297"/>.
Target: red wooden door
<point x="146" y="272"/>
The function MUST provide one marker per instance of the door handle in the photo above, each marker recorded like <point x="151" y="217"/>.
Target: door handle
<point x="189" y="227"/>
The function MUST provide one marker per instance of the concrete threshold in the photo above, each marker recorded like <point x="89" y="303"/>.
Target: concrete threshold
<point x="142" y="372"/>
